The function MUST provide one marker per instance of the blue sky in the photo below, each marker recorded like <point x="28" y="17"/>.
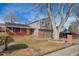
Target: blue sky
<point x="29" y="12"/>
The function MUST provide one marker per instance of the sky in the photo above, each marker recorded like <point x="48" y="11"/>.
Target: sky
<point x="27" y="12"/>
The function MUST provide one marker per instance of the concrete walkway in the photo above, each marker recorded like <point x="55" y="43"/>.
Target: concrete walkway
<point x="70" y="51"/>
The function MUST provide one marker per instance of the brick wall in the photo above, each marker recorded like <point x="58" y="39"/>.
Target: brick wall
<point x="70" y="39"/>
<point x="22" y="32"/>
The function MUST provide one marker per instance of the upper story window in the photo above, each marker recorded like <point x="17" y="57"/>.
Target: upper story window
<point x="42" y="22"/>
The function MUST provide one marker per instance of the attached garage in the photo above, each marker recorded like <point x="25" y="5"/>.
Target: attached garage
<point x="43" y="33"/>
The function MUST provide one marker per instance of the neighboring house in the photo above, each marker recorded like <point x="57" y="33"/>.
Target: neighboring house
<point x="40" y="28"/>
<point x="2" y="27"/>
<point x="64" y="33"/>
<point x="15" y="29"/>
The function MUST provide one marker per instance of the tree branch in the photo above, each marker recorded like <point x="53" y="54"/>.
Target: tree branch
<point x="57" y="11"/>
<point x="51" y="17"/>
<point x="62" y="11"/>
<point x="64" y="19"/>
<point x="49" y="11"/>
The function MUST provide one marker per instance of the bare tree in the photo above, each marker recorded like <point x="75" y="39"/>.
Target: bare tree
<point x="57" y="30"/>
<point x="11" y="18"/>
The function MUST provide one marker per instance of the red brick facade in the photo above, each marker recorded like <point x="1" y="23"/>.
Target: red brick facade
<point x="11" y="32"/>
<point x="2" y="29"/>
<point x="23" y="31"/>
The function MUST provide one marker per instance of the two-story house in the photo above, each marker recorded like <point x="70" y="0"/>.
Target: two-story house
<point x="42" y="28"/>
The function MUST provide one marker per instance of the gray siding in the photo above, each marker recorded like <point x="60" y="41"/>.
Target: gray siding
<point x="45" y="24"/>
<point x="42" y="24"/>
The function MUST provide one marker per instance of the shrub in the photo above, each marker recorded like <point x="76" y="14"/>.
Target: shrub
<point x="4" y="36"/>
<point x="7" y="39"/>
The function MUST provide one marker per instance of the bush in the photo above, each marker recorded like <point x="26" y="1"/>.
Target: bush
<point x="4" y="36"/>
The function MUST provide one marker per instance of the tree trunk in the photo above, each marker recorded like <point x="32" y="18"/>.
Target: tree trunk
<point x="6" y="47"/>
<point x="52" y="19"/>
<point x="56" y="35"/>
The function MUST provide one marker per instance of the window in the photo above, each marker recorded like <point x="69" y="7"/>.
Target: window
<point x="48" y="24"/>
<point x="42" y="22"/>
<point x="16" y="29"/>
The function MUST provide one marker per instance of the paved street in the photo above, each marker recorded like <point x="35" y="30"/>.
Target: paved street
<point x="70" y="51"/>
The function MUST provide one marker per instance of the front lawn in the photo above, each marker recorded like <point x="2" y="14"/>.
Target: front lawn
<point x="31" y="46"/>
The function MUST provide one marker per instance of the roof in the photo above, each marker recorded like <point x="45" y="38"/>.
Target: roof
<point x="38" y="20"/>
<point x="14" y="25"/>
<point x="2" y="25"/>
